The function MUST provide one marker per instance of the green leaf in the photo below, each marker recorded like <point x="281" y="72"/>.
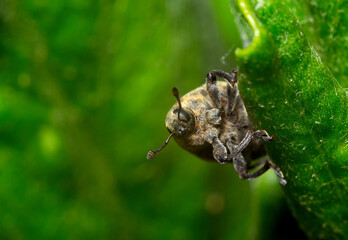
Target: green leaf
<point x="290" y="92"/>
<point x="325" y="24"/>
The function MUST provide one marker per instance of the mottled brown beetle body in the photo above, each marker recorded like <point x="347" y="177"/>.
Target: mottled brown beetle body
<point x="232" y="126"/>
<point x="212" y="123"/>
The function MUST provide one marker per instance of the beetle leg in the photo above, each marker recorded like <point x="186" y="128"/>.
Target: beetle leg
<point x="230" y="146"/>
<point x="213" y="116"/>
<point x="213" y="90"/>
<point x="242" y="145"/>
<point x="219" y="150"/>
<point x="279" y="173"/>
<point x="235" y="104"/>
<point x="246" y="175"/>
<point x="240" y="165"/>
<point x="258" y="164"/>
<point x="264" y="135"/>
<point x="234" y="99"/>
<point x="247" y="139"/>
<point x="231" y="98"/>
<point x="231" y="79"/>
<point x="267" y="165"/>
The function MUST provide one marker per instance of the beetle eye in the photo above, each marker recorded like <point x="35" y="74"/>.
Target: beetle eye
<point x="181" y="122"/>
<point x="185" y="116"/>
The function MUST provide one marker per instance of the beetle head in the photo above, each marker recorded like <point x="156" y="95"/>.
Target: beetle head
<point x="180" y="121"/>
<point x="181" y="126"/>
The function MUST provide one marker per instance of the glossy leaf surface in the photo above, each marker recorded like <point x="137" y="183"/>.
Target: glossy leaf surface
<point x="290" y="92"/>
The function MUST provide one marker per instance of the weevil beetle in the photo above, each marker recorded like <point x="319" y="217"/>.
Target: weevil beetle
<point x="212" y="123"/>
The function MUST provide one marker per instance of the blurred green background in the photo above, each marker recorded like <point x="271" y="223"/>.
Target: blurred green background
<point x="84" y="90"/>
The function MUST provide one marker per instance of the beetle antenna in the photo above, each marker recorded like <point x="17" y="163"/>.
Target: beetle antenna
<point x="152" y="153"/>
<point x="175" y="93"/>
